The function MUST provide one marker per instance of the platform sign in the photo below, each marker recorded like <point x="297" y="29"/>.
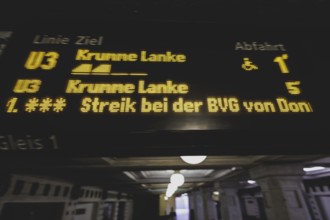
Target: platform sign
<point x="100" y="89"/>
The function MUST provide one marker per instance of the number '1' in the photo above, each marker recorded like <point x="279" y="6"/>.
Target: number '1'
<point x="281" y="62"/>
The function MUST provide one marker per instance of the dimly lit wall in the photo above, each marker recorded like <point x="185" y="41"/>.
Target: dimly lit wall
<point x="146" y="207"/>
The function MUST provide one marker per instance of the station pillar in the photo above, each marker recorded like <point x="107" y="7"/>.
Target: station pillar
<point x="201" y="205"/>
<point x="229" y="201"/>
<point x="282" y="190"/>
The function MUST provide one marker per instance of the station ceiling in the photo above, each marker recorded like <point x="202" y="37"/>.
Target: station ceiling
<point x="148" y="174"/>
<point x="282" y="12"/>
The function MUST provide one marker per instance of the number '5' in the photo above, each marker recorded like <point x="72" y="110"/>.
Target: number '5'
<point x="293" y="87"/>
<point x="36" y="58"/>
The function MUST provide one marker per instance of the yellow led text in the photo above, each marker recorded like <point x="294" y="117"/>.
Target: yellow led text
<point x="11" y="105"/>
<point x="182" y="105"/>
<point x="162" y="88"/>
<point x="287" y="106"/>
<point x="293" y="87"/>
<point x="154" y="106"/>
<point x="258" y="106"/>
<point x="83" y="54"/>
<point x="165" y="57"/>
<point x="36" y="60"/>
<point x="280" y="60"/>
<point x="76" y="86"/>
<point x="223" y="104"/>
<point x="95" y="105"/>
<point x="27" y="86"/>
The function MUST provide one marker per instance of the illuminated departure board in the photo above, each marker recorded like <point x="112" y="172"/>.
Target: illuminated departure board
<point x="73" y="88"/>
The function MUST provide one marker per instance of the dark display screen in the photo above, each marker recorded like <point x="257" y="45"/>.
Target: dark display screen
<point x="92" y="89"/>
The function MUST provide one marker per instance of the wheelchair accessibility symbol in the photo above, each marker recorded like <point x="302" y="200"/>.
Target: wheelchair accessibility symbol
<point x="248" y="65"/>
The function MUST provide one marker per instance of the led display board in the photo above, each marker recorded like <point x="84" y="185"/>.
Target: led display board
<point x="132" y="88"/>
